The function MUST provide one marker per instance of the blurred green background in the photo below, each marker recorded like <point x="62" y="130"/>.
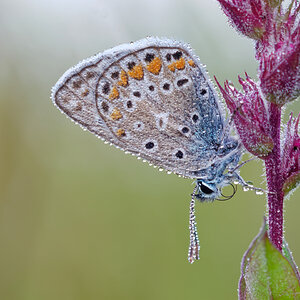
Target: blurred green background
<point x="81" y="220"/>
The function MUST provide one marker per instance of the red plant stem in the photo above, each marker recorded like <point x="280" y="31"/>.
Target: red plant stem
<point x="275" y="181"/>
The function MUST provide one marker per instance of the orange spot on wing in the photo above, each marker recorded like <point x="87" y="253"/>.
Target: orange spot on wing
<point x="123" y="79"/>
<point x="179" y="65"/>
<point x="120" y="132"/>
<point x="154" y="66"/>
<point x="136" y="72"/>
<point x="114" y="94"/>
<point x="172" y="67"/>
<point x="116" y="114"/>
<point x="192" y="63"/>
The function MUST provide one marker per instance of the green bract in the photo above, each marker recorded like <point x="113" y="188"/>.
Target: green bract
<point x="266" y="273"/>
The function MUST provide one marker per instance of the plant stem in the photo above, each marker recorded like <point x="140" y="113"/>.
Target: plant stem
<point x="274" y="179"/>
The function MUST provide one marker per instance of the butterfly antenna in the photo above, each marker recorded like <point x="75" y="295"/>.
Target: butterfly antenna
<point x="248" y="186"/>
<point x="194" y="247"/>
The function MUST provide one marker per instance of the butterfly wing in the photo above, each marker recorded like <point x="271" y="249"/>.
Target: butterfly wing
<point x="151" y="98"/>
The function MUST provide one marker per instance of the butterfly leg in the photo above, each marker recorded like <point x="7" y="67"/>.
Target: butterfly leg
<point x="243" y="163"/>
<point x="246" y="186"/>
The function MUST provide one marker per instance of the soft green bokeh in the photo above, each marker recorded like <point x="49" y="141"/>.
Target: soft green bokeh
<point x="81" y="220"/>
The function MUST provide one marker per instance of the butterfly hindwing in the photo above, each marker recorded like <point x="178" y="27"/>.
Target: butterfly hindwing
<point x="151" y="98"/>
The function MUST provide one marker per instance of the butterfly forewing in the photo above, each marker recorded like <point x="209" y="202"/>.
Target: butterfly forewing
<point x="151" y="98"/>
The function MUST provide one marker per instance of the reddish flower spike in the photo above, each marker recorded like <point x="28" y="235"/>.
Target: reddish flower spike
<point x="250" y="116"/>
<point x="291" y="156"/>
<point x="246" y="16"/>
<point x="279" y="69"/>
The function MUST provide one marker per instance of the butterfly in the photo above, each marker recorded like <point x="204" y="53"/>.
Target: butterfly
<point x="153" y="99"/>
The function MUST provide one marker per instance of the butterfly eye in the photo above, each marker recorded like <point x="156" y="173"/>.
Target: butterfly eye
<point x="205" y="189"/>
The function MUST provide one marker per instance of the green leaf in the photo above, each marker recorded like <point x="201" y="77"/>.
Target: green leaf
<point x="266" y="273"/>
<point x="291" y="183"/>
<point x="288" y="255"/>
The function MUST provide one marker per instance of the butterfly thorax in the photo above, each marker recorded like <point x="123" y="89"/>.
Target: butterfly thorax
<point x="212" y="179"/>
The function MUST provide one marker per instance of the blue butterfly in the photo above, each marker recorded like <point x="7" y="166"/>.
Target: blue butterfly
<point x="153" y="98"/>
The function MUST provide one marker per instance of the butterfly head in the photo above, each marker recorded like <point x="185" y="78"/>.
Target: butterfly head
<point x="208" y="191"/>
